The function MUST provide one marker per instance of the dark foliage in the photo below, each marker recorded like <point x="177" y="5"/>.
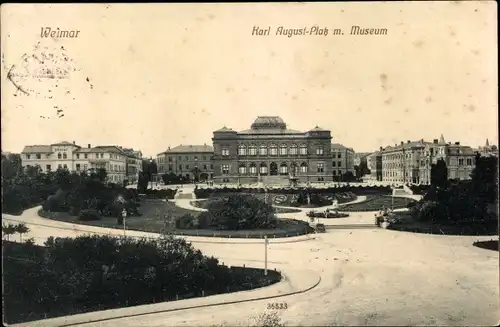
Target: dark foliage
<point x="89" y="214"/>
<point x="76" y="275"/>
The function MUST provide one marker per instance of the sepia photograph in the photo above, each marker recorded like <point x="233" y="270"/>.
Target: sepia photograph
<point x="250" y="164"/>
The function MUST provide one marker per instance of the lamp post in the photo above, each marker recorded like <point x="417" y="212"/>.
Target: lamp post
<point x="265" y="255"/>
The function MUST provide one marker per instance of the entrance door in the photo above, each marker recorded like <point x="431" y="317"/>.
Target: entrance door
<point x="273" y="169"/>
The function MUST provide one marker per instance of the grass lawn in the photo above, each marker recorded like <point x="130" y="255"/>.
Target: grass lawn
<point x="154" y="213"/>
<point x="488" y="245"/>
<point x="376" y="203"/>
<point x="408" y="224"/>
<point x="205" y="203"/>
<point x="152" y="219"/>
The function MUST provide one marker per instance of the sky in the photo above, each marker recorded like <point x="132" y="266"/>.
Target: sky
<point x="149" y="76"/>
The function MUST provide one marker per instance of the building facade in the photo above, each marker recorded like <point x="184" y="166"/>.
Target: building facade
<point x="70" y="156"/>
<point x="411" y="162"/>
<point x="269" y="148"/>
<point x="191" y="161"/>
<point x="343" y="161"/>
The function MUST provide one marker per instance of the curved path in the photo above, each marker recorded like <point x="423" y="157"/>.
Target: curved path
<point x="368" y="277"/>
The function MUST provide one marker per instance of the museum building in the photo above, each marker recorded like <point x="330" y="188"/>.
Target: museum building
<point x="270" y="151"/>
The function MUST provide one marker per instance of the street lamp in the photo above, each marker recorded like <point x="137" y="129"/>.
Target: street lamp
<point x="265" y="255"/>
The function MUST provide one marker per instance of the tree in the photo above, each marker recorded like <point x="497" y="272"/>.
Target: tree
<point x="11" y="165"/>
<point x="8" y="230"/>
<point x="348" y="177"/>
<point x="439" y="174"/>
<point x="21" y="228"/>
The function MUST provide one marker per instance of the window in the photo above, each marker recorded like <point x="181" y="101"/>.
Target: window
<point x="186" y="157"/>
<point x="170" y="167"/>
<point x="59" y="166"/>
<point x="263" y="168"/>
<point x="225" y="169"/>
<point x="102" y="155"/>
<point x="180" y="167"/>
<point x="59" y="156"/>
<point x="225" y="152"/>
<point x="320" y="167"/>
<point x="28" y="156"/>
<point x="77" y="156"/>
<point x="170" y="159"/>
<point x="85" y="156"/>
<point x="334" y="164"/>
<point x="339" y="164"/>
<point x="242" y="169"/>
<point x="65" y="156"/>
<point x="460" y="162"/>
<point x="38" y="156"/>
<point x="84" y="167"/>
<point x="303" y="167"/>
<point x="339" y="155"/>
<point x="334" y="173"/>
<point x="469" y="162"/>
<point x="195" y="158"/>
<point x="242" y="150"/>
<point x="48" y="168"/>
<point x="253" y="168"/>
<point x="263" y="150"/>
<point x="319" y="151"/>
<point x="283" y="169"/>
<point x="303" y="150"/>
<point x="204" y="166"/>
<point x="77" y="167"/>
<point x="293" y="150"/>
<point x="187" y="166"/>
<point x="253" y="150"/>
<point x="180" y="158"/>
<point x="211" y="166"/>
<point x="283" y="150"/>
<point x="273" y="149"/>
<point x="65" y="166"/>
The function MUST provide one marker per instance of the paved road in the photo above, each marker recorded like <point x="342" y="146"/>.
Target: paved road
<point x="368" y="277"/>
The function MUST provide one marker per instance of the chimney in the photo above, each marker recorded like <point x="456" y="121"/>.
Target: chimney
<point x="435" y="141"/>
<point x="88" y="145"/>
<point x="74" y="142"/>
<point x="169" y="148"/>
<point x="380" y="148"/>
<point x="402" y="142"/>
<point x="408" y="141"/>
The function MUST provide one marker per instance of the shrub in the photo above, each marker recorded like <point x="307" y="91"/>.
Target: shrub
<point x="205" y="220"/>
<point x="89" y="214"/>
<point x="186" y="221"/>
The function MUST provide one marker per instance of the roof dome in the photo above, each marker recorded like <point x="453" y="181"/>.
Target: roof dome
<point x="273" y="122"/>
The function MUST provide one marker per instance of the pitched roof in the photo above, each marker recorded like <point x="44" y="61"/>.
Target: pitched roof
<point x="338" y="146"/>
<point x="318" y="129"/>
<point x="190" y="149"/>
<point x="90" y="150"/>
<point x="270" y="131"/>
<point x="225" y="129"/>
<point x="37" y="149"/>
<point x="65" y="143"/>
<point x="441" y="140"/>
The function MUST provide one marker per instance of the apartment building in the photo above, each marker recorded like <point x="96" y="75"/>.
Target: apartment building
<point x="343" y="161"/>
<point x="411" y="162"/>
<point x="70" y="156"/>
<point x="190" y="161"/>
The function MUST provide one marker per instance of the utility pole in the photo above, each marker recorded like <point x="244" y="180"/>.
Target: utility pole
<point x="265" y="255"/>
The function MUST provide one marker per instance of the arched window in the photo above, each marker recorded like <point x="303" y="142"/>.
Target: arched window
<point x="253" y="168"/>
<point x="273" y="149"/>
<point x="263" y="150"/>
<point x="319" y="150"/>
<point x="242" y="169"/>
<point x="303" y="150"/>
<point x="65" y="156"/>
<point x="263" y="168"/>
<point x="252" y="149"/>
<point x="293" y="150"/>
<point x="242" y="150"/>
<point x="283" y="169"/>
<point x="283" y="150"/>
<point x="303" y="167"/>
<point x="58" y="156"/>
